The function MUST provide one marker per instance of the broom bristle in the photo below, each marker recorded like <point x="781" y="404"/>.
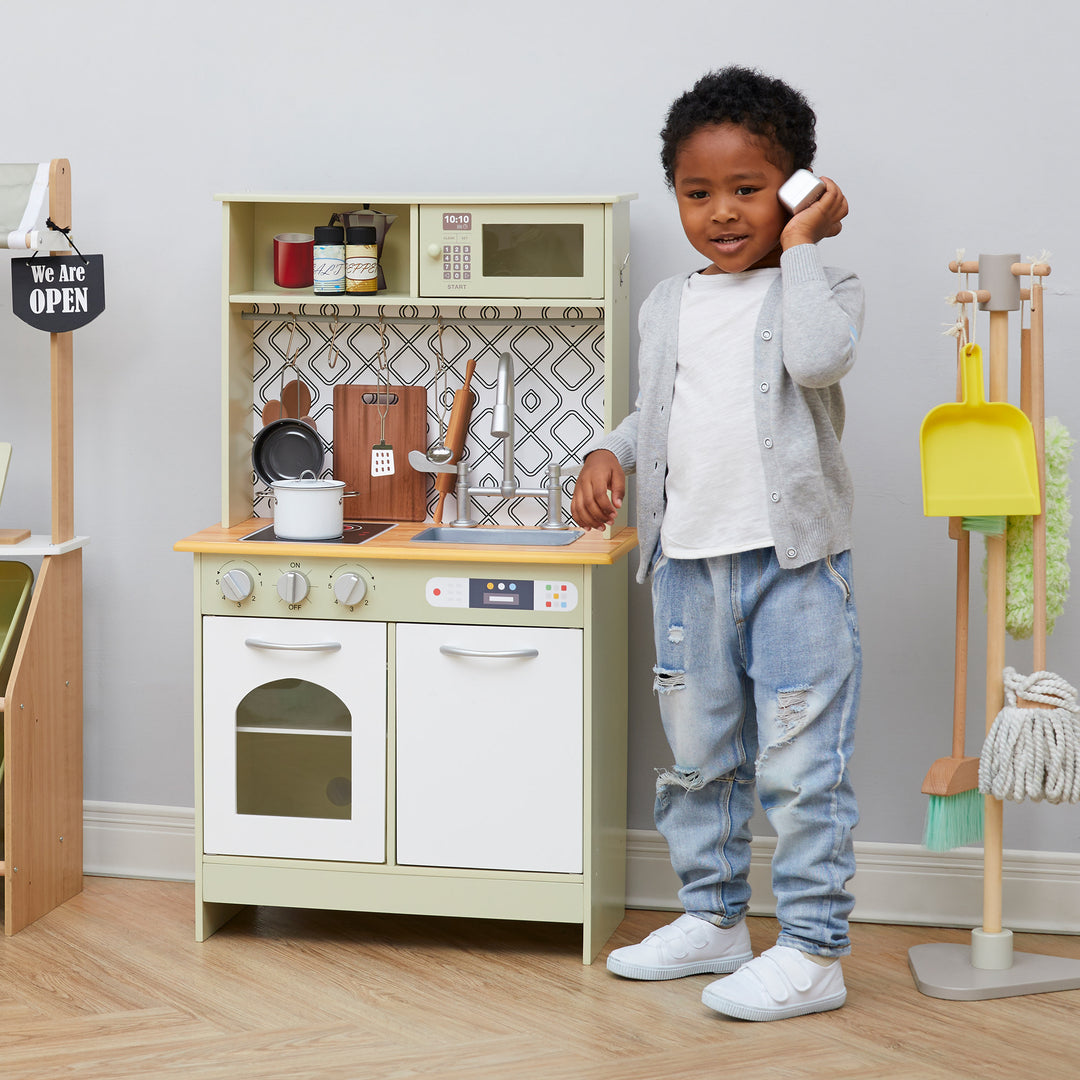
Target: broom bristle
<point x="954" y="821"/>
<point x="988" y="525"/>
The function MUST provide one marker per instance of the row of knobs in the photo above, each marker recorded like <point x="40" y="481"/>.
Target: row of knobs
<point x="293" y="586"/>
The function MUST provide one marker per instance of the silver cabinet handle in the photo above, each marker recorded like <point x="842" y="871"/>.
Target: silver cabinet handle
<point x="312" y="646"/>
<point x="496" y="654"/>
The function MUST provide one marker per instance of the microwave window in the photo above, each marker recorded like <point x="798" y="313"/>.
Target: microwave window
<point x="522" y="250"/>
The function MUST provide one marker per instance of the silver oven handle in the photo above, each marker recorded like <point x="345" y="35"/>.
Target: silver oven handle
<point x="312" y="646"/>
<point x="496" y="654"/>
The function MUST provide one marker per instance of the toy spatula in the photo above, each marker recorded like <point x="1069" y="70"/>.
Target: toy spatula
<point x="382" y="459"/>
<point x="382" y="453"/>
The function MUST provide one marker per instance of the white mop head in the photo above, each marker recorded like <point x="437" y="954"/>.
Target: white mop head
<point x="1033" y="753"/>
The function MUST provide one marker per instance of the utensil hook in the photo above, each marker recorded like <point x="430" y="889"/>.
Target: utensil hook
<point x="382" y="377"/>
<point x="440" y="394"/>
<point x="290" y="359"/>
<point x="335" y="352"/>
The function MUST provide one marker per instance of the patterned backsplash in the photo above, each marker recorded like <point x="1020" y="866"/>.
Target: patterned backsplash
<point x="558" y="377"/>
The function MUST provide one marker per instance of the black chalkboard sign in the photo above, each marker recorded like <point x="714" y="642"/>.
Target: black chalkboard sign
<point x="58" y="293"/>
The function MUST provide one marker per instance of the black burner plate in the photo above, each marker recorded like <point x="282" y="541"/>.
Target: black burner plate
<point x="356" y="532"/>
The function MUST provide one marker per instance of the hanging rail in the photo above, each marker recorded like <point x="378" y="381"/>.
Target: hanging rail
<point x="447" y="320"/>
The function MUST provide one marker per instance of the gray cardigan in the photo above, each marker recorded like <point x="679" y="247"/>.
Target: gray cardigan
<point x="806" y="335"/>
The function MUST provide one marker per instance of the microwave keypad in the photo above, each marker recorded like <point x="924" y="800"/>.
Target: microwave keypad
<point x="457" y="262"/>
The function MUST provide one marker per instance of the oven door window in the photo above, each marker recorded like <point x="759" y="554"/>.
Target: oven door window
<point x="537" y="249"/>
<point x="293" y="752"/>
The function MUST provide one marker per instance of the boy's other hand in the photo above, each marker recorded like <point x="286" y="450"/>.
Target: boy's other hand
<point x="820" y="219"/>
<point x="591" y="506"/>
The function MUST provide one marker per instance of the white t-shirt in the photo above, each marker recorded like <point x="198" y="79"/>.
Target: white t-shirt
<point x="716" y="497"/>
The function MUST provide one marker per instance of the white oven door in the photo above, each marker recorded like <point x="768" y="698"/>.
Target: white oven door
<point x="294" y="738"/>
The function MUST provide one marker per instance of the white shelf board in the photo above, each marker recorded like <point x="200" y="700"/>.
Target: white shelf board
<point x="428" y="199"/>
<point x="41" y="544"/>
<point x="388" y="299"/>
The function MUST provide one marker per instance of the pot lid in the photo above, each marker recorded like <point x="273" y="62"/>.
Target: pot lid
<point x="308" y="481"/>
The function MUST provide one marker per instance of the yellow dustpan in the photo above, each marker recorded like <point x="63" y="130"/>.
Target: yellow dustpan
<point x="978" y="457"/>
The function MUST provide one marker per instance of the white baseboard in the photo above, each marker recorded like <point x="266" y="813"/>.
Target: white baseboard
<point x="131" y="840"/>
<point x="894" y="883"/>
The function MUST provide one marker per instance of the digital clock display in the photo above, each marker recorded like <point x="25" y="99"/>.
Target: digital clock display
<point x="459" y="221"/>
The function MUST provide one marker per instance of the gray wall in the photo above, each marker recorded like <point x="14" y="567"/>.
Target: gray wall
<point x="947" y="125"/>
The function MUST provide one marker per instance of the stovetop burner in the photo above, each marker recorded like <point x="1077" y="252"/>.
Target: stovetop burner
<point x="356" y="532"/>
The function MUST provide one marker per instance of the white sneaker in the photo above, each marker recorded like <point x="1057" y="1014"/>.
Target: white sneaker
<point x="688" y="946"/>
<point x="781" y="982"/>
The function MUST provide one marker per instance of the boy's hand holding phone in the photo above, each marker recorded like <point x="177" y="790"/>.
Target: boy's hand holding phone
<point x="821" y="218"/>
<point x="591" y="506"/>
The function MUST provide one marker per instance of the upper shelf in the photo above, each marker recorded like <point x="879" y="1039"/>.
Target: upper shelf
<point x="443" y="250"/>
<point x="351" y="200"/>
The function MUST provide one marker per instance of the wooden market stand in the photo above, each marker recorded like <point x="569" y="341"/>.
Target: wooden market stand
<point x="43" y="704"/>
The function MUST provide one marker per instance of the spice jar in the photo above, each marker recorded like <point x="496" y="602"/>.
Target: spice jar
<point x="361" y="260"/>
<point x="329" y="260"/>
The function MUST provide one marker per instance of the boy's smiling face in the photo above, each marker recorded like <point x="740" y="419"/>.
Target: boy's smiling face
<point x="726" y="189"/>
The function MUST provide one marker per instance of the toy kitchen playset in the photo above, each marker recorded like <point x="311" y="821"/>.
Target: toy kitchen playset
<point x="420" y="706"/>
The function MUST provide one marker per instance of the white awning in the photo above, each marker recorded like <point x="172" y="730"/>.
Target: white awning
<point x="24" y="207"/>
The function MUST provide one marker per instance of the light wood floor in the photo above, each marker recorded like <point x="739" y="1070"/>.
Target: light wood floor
<point x="113" y="986"/>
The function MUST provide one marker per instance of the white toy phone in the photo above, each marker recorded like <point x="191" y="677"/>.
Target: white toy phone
<point x="800" y="189"/>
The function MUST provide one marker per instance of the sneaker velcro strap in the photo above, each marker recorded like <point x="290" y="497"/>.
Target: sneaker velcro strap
<point x="780" y="973"/>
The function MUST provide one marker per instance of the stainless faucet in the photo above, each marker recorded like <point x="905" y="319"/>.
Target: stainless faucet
<point x="502" y="427"/>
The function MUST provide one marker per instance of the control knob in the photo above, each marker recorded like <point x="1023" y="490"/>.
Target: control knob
<point x="236" y="585"/>
<point x="434" y="250"/>
<point x="349" y="588"/>
<point x="293" y="587"/>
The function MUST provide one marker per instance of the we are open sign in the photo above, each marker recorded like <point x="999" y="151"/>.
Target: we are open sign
<point x="58" y="293"/>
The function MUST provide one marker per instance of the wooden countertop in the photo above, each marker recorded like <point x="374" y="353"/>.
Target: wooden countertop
<point x="592" y="549"/>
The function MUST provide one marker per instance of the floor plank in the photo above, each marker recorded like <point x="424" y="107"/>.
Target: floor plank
<point x="113" y="986"/>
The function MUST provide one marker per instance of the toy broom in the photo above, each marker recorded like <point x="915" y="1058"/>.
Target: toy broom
<point x="954" y="817"/>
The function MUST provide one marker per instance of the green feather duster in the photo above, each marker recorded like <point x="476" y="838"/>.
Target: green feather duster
<point x="1019" y="557"/>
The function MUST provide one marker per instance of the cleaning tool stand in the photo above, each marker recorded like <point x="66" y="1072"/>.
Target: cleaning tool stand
<point x="990" y="968"/>
<point x="991" y="951"/>
<point x="996" y="278"/>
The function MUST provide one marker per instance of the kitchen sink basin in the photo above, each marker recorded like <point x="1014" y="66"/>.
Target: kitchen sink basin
<point x="443" y="534"/>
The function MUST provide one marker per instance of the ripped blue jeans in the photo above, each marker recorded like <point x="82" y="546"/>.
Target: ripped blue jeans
<point x="757" y="675"/>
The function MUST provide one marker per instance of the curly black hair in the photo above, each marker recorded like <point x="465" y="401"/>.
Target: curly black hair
<point x="763" y="105"/>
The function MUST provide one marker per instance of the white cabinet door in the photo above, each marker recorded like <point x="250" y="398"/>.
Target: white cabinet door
<point x="294" y="738"/>
<point x="490" y="747"/>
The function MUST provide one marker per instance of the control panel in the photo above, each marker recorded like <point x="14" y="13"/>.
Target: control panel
<point x="502" y="594"/>
<point x="456" y="260"/>
<point x="382" y="590"/>
<point x="310" y="588"/>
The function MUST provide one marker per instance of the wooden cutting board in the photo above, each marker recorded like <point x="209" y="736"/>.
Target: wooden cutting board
<point x="400" y="496"/>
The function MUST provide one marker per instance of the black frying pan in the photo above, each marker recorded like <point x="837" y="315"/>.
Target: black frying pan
<point x="284" y="448"/>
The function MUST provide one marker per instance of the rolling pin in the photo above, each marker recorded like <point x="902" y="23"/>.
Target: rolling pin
<point x="456" y="430"/>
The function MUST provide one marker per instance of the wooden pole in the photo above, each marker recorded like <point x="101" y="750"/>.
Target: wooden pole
<point x="1037" y="405"/>
<point x="61" y="362"/>
<point x="993" y="824"/>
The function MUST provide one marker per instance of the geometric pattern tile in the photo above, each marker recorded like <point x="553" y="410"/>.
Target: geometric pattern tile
<point x="558" y="381"/>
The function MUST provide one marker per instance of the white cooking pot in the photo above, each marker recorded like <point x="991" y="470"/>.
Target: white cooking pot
<point x="308" y="508"/>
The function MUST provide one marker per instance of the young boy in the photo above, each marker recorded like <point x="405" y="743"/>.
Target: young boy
<point x="744" y="521"/>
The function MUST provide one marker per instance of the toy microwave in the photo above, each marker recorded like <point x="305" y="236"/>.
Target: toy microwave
<point x="512" y="250"/>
